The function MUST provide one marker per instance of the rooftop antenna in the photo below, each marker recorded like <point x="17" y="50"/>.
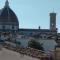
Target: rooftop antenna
<point x="53" y="10"/>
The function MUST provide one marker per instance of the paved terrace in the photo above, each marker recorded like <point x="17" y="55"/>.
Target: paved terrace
<point x="28" y="51"/>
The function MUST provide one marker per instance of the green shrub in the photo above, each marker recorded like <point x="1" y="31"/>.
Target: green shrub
<point x="35" y="44"/>
<point x="18" y="42"/>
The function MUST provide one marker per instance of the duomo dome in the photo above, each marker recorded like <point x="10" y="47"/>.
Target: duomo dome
<point x="8" y="19"/>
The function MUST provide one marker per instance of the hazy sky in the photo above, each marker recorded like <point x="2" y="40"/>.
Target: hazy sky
<point x="34" y="13"/>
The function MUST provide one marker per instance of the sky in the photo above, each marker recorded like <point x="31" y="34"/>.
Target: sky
<point x="34" y="13"/>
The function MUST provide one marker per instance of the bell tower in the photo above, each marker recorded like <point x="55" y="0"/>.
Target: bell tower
<point x="53" y="21"/>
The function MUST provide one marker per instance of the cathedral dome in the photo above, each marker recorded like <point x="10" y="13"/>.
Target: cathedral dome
<point x="8" y="16"/>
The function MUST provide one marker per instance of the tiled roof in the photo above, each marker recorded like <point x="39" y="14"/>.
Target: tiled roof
<point x="41" y="30"/>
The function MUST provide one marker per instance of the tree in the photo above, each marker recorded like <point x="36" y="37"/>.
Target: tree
<point x="35" y="44"/>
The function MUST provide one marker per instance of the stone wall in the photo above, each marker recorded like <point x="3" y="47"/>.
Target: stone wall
<point x="57" y="53"/>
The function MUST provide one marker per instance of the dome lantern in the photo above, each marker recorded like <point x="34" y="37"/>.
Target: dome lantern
<point x="6" y="3"/>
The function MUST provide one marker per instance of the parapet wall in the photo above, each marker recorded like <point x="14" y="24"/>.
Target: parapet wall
<point x="29" y="51"/>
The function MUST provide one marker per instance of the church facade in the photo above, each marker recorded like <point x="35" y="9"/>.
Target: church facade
<point x="9" y="24"/>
